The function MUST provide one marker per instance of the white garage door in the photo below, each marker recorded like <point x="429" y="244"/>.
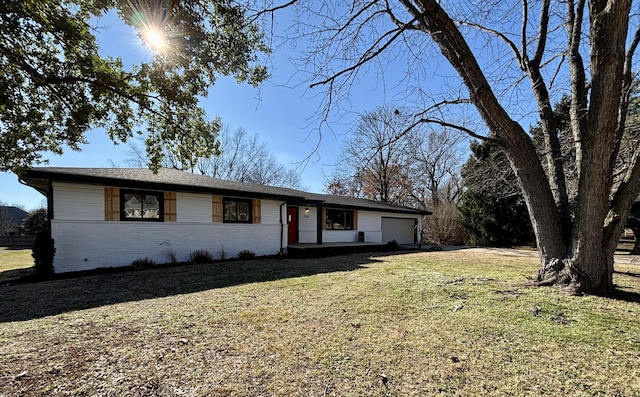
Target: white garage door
<point x="399" y="229"/>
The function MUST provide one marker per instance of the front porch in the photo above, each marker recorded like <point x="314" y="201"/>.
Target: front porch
<point x="309" y="250"/>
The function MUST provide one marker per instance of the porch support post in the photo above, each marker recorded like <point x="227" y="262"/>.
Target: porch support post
<point x="319" y="223"/>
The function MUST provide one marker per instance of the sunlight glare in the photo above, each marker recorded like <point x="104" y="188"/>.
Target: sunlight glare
<point x="154" y="38"/>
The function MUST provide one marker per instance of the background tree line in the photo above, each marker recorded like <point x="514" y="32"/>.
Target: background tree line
<point x="385" y="158"/>
<point x="240" y="157"/>
<point x="476" y="202"/>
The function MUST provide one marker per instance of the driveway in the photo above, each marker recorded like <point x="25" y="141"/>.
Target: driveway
<point x="530" y="253"/>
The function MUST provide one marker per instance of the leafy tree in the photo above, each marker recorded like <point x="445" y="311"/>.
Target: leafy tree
<point x="493" y="210"/>
<point x="35" y="222"/>
<point x="495" y="221"/>
<point x="489" y="179"/>
<point x="584" y="51"/>
<point x="56" y="86"/>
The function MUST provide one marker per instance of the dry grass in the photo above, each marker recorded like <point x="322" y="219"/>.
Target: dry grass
<point x="450" y="323"/>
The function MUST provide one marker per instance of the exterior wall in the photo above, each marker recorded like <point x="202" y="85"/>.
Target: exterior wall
<point x="84" y="240"/>
<point x="83" y="245"/>
<point x="271" y="214"/>
<point x="78" y="202"/>
<point x="192" y="207"/>
<point x="307" y="230"/>
<point x="339" y="236"/>
<point x="369" y="222"/>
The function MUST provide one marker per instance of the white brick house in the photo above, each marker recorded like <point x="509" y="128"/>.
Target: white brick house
<point x="109" y="217"/>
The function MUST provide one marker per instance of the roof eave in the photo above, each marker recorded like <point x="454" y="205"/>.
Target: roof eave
<point x="32" y="175"/>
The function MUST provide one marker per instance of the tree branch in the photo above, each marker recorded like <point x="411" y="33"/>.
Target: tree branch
<point x="519" y="56"/>
<point x="554" y="158"/>
<point x="579" y="102"/>
<point x="368" y="55"/>
<point x="446" y="124"/>
<point x="544" y="28"/>
<point x="523" y="32"/>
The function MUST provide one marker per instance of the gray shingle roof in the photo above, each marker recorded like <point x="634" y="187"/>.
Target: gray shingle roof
<point x="172" y="179"/>
<point x="13" y="216"/>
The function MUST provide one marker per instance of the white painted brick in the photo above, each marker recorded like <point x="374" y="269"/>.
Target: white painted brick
<point x="82" y="245"/>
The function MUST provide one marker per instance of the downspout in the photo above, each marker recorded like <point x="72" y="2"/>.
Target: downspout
<point x="282" y="228"/>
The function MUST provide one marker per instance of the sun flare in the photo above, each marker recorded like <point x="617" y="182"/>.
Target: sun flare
<point x="154" y="38"/>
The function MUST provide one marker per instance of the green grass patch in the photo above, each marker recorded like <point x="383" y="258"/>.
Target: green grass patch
<point x="440" y="323"/>
<point x="15" y="263"/>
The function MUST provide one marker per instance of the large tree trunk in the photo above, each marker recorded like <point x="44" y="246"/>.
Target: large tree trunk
<point x="589" y="265"/>
<point x="577" y="252"/>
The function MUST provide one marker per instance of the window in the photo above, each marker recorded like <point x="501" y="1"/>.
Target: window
<point x="141" y="206"/>
<point x="237" y="210"/>
<point x="339" y="220"/>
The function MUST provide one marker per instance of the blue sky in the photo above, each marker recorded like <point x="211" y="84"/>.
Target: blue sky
<point x="281" y="112"/>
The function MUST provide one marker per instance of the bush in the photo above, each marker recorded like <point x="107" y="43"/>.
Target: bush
<point x="201" y="256"/>
<point x="223" y="253"/>
<point x="43" y="252"/>
<point x="443" y="226"/>
<point x="171" y="256"/>
<point x="393" y="245"/>
<point x="246" y="254"/>
<point x="144" y="263"/>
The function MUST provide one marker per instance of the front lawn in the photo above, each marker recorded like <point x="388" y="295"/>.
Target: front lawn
<point x="442" y="323"/>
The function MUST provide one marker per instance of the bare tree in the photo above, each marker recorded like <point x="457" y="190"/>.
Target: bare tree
<point x="511" y="59"/>
<point x="487" y="170"/>
<point x="389" y="160"/>
<point x="373" y="161"/>
<point x="435" y="161"/>
<point x="241" y="158"/>
<point x="245" y="158"/>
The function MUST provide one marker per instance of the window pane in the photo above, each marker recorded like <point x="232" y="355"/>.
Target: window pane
<point x="230" y="211"/>
<point x="151" y="207"/>
<point x="339" y="220"/>
<point x="133" y="206"/>
<point x="237" y="210"/>
<point x="243" y="211"/>
<point x="142" y="206"/>
<point x="348" y="220"/>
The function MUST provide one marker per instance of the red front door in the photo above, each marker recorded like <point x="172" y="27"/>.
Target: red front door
<point x="292" y="221"/>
